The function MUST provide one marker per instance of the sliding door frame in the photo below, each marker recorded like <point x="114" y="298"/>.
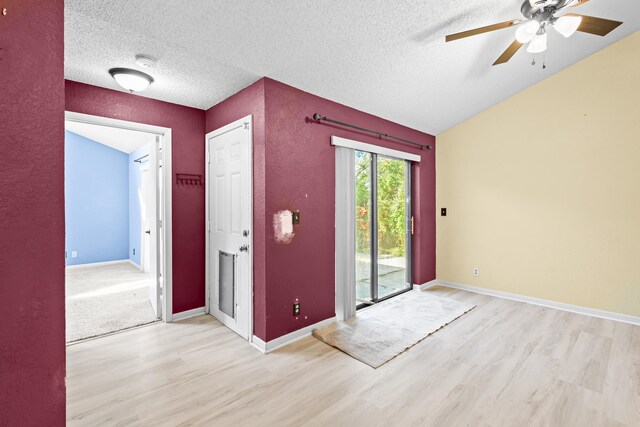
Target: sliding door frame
<point x="373" y="227"/>
<point x="346" y="302"/>
<point x="373" y="224"/>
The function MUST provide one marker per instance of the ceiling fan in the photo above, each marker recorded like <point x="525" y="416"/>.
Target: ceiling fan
<point x="539" y="15"/>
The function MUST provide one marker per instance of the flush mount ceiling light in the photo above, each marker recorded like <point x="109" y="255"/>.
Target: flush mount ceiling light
<point x="131" y="80"/>
<point x="539" y="14"/>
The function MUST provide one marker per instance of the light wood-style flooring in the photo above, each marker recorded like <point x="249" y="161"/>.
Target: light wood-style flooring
<point x="504" y="363"/>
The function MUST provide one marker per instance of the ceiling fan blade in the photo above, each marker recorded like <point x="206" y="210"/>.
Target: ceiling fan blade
<point x="507" y="54"/>
<point x="488" y="28"/>
<point x="597" y="26"/>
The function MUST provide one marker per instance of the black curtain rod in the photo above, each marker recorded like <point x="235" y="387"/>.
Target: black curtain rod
<point x="139" y="159"/>
<point x="318" y="117"/>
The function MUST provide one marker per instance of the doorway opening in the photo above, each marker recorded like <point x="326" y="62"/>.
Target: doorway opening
<point x="383" y="227"/>
<point x="117" y="241"/>
<point x="229" y="233"/>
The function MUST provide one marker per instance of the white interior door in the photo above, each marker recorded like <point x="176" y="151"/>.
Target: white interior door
<point x="229" y="213"/>
<point x="149" y="213"/>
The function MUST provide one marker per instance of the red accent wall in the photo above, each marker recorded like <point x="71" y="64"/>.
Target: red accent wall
<point x="187" y="135"/>
<point x="296" y="170"/>
<point x="32" y="345"/>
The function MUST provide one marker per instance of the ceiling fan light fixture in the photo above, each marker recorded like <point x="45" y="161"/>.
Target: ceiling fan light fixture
<point x="567" y="25"/>
<point x="131" y="80"/>
<point x="527" y="31"/>
<point x="543" y="13"/>
<point x="538" y="44"/>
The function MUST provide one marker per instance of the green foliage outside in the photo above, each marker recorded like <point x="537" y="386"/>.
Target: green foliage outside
<point x="391" y="205"/>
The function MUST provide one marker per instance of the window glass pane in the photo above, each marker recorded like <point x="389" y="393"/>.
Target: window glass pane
<point x="391" y="209"/>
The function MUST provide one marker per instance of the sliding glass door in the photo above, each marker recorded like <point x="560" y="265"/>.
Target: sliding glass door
<point x="383" y="227"/>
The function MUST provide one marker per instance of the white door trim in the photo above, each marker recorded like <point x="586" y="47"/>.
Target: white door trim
<point x="165" y="157"/>
<point x="231" y="126"/>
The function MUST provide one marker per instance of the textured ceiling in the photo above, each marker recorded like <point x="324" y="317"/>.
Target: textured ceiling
<point x="387" y="58"/>
<point x="123" y="140"/>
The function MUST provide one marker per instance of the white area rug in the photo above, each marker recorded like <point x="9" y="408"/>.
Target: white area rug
<point x="105" y="299"/>
<point x="381" y="332"/>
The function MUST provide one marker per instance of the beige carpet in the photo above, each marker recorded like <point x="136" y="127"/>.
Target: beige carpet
<point x="379" y="333"/>
<point x="106" y="298"/>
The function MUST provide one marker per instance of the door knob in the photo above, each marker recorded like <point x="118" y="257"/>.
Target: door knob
<point x="244" y="248"/>
<point x="148" y="231"/>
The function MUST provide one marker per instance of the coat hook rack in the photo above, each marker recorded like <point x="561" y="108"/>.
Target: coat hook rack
<point x="140" y="159"/>
<point x="189" y="179"/>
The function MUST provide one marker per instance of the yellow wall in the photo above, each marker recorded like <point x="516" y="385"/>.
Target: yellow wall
<point x="543" y="190"/>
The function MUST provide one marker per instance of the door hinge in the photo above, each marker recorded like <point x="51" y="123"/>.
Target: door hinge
<point x="412" y="225"/>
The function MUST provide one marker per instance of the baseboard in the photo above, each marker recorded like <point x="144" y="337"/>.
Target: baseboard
<point x="97" y="264"/>
<point x="259" y="344"/>
<point x="289" y="338"/>
<point x="139" y="267"/>
<point x="603" y="314"/>
<point x="187" y="314"/>
<point x="425" y="285"/>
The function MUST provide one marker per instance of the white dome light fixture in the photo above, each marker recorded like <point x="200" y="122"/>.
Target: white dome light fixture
<point x="539" y="42"/>
<point x="131" y="80"/>
<point x="527" y="31"/>
<point x="567" y="25"/>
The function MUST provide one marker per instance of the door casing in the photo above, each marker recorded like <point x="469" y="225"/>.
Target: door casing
<point x="245" y="121"/>
<point x="164" y="229"/>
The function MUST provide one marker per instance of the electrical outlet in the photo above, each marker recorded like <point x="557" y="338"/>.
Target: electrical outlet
<point x="296" y="309"/>
<point x="74" y="254"/>
<point x="476" y="271"/>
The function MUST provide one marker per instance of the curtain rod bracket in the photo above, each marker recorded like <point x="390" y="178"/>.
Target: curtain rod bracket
<point x="317" y="117"/>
